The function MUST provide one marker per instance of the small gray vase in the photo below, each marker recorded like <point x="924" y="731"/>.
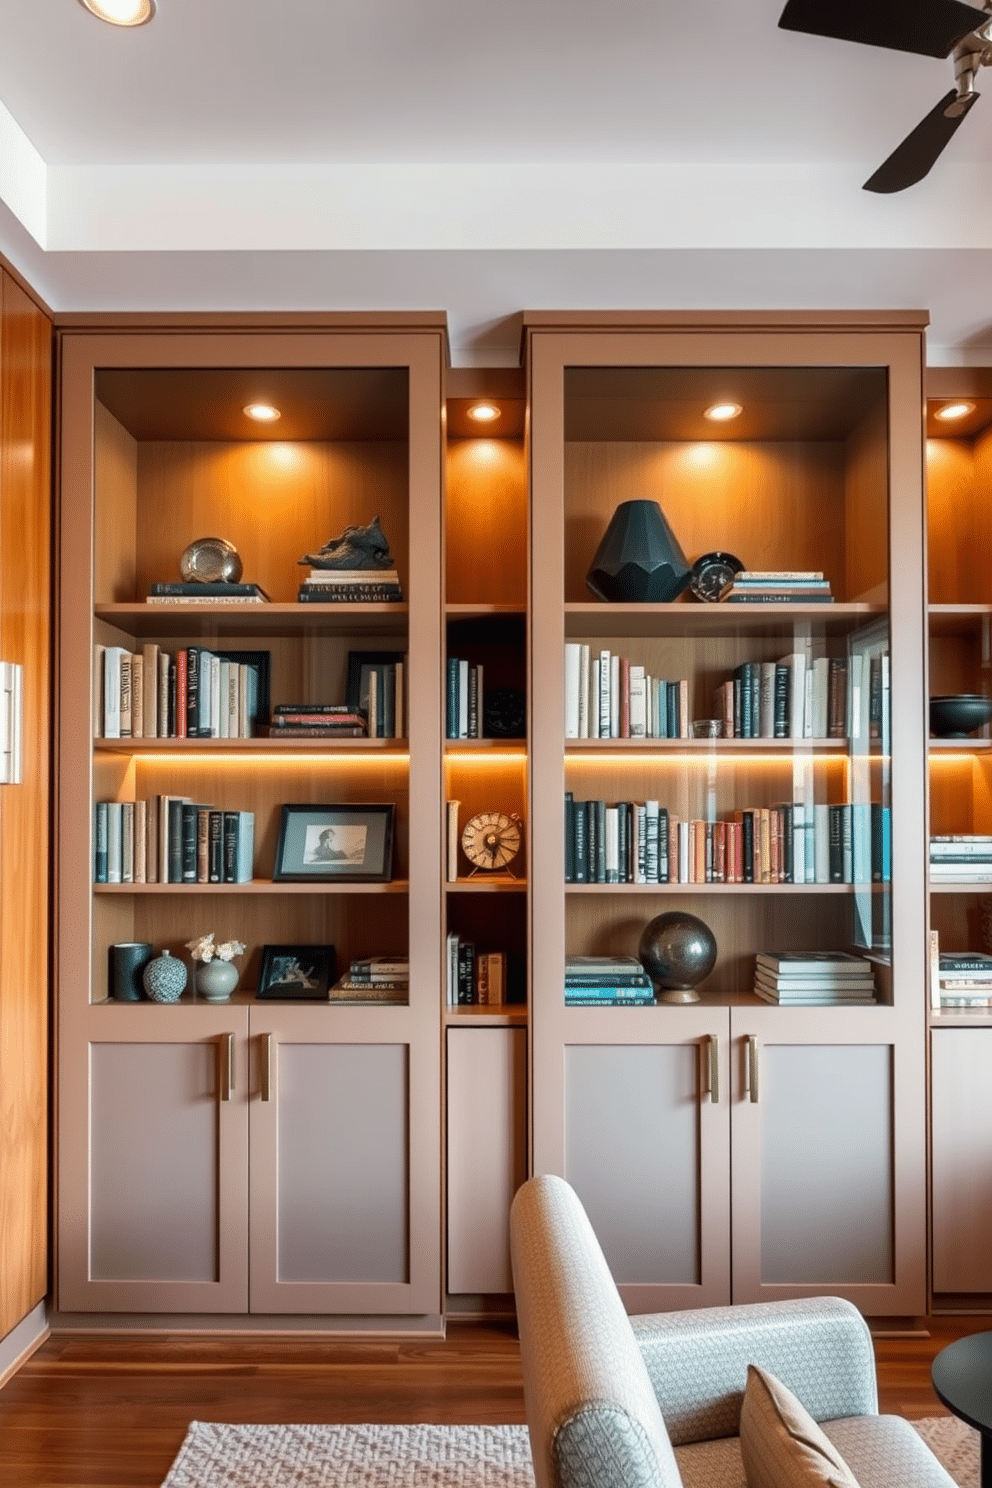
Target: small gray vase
<point x="215" y="980"/>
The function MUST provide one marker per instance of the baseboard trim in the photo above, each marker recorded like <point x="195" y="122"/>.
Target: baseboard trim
<point x="22" y="1341"/>
<point x="357" y="1327"/>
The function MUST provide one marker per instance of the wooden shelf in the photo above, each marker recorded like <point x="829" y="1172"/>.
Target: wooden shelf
<point x="957" y="619"/>
<point x="501" y="1015"/>
<point x="488" y="886"/>
<point x="484" y="611"/>
<point x="697" y="621"/>
<point x="256" y="886"/>
<point x="256" y="619"/>
<point x="251" y="746"/>
<point x="966" y="745"/>
<point x="475" y="746"/>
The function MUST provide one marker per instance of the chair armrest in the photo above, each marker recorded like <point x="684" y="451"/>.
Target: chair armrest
<point x="820" y="1347"/>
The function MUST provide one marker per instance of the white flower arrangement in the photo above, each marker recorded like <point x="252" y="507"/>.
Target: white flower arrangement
<point x="204" y="949"/>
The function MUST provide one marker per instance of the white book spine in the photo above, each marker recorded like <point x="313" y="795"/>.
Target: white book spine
<point x="612" y="846"/>
<point x="767" y="700"/>
<point x="112" y="692"/>
<point x="573" y="661"/>
<point x="651" y="865"/>
<point x="594" y="671"/>
<point x="604" y="695"/>
<point x="452" y="824"/>
<point x="614" y="697"/>
<point x="638" y="703"/>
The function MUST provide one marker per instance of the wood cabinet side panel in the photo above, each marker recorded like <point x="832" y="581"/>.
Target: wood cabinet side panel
<point x="25" y="531"/>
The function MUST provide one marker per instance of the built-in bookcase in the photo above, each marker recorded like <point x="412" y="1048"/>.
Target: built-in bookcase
<point x="156" y="453"/>
<point x="959" y="541"/>
<point x="820" y="472"/>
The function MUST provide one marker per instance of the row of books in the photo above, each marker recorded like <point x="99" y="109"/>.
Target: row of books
<point x="473" y="978"/>
<point x="192" y="693"/>
<point x="964" y="857"/>
<point x="607" y="981"/>
<point x="814" y="978"/>
<point x="351" y="586"/>
<point x="796" y="697"/>
<point x="789" y="586"/>
<point x="171" y="839"/>
<point x="181" y="592"/>
<point x="960" y="979"/>
<point x="643" y="842"/>
<point x="382" y="979"/>
<point x="463" y="699"/>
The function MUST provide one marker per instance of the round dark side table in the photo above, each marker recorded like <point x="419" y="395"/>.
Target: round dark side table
<point x="962" y="1380"/>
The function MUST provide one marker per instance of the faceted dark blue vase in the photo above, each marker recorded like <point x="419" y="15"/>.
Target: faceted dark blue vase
<point x="639" y="559"/>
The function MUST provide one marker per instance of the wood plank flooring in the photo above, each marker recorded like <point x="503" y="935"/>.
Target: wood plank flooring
<point x="88" y="1411"/>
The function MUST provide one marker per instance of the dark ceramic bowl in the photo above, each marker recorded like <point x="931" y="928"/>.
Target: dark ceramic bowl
<point x="959" y="714"/>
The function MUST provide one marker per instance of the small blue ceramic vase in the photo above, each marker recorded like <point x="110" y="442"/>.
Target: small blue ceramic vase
<point x="165" y="978"/>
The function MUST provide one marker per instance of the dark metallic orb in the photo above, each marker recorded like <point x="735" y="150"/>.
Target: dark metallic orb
<point x="677" y="950"/>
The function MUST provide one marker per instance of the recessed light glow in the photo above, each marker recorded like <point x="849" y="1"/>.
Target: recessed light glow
<point x="721" y="412"/>
<point x="484" y="413"/>
<point x="951" y="411"/>
<point x="264" y="413"/>
<point x="121" y="12"/>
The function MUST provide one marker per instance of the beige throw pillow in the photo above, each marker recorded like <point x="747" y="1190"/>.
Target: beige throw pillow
<point x="781" y="1444"/>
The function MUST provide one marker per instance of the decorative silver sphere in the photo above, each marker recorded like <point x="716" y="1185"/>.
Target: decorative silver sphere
<point x="677" y="950"/>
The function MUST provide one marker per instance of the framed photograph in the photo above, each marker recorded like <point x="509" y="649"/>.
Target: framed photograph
<point x="347" y="844"/>
<point x="296" y="972"/>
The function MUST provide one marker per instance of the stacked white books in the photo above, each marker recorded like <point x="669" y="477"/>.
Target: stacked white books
<point x="964" y="979"/>
<point x="814" y="978"/>
<point x="778" y="586"/>
<point x="962" y="857"/>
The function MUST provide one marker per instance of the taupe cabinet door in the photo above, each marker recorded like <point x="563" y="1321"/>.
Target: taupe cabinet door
<point x="646" y="1145"/>
<point x="961" y="1120"/>
<point x="153" y="1190"/>
<point x="338" y="1126"/>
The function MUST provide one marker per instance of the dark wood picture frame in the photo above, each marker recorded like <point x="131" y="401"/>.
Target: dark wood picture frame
<point x="346" y="843"/>
<point x="291" y="973"/>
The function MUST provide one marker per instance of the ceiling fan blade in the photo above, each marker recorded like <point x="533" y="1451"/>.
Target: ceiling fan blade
<point x="910" y="161"/>
<point x="932" y="28"/>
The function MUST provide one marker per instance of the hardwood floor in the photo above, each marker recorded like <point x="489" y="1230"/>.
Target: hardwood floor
<point x="94" y="1412"/>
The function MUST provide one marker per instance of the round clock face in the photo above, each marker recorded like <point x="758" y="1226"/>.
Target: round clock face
<point x="712" y="573"/>
<point x="491" y="839"/>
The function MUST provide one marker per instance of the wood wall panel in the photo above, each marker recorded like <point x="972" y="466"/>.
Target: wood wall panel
<point x="25" y="531"/>
<point x="486" y="522"/>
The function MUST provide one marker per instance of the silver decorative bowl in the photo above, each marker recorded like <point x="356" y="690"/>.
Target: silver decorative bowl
<point x="210" y="560"/>
<point x="959" y="714"/>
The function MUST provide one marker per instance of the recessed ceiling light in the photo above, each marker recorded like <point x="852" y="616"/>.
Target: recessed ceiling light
<point x="951" y="411"/>
<point x="484" y="413"/>
<point x="720" y="412"/>
<point x="121" y="12"/>
<point x="263" y="412"/>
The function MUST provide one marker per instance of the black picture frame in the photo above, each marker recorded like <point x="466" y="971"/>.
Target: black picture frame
<point x="296" y="973"/>
<point x="350" y="843"/>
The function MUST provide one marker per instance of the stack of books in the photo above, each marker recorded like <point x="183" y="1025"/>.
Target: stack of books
<point x="964" y="979"/>
<point x="814" y="978"/>
<point x="778" y="586"/>
<point x="607" y="981"/>
<point x="464" y="699"/>
<point x="963" y="857"/>
<point x="318" y="721"/>
<point x="182" y="593"/>
<point x="474" y="978"/>
<point x="383" y="979"/>
<point x="351" y="586"/>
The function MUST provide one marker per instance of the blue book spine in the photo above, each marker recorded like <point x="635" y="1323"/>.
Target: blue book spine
<point x="451" y="712"/>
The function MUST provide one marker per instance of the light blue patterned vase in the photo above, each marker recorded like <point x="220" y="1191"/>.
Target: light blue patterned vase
<point x="165" y="978"/>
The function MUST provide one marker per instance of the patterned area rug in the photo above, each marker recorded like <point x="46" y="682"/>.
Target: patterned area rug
<point x="218" y="1456"/>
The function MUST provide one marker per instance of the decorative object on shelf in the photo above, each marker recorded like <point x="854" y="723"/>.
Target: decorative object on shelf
<point x="211" y="560"/>
<point x="358" y="548"/>
<point x="491" y="840"/>
<point x="347" y="843"/>
<point x="504" y="713"/>
<point x="707" y="728"/>
<point x="712" y="573"/>
<point x="216" y="975"/>
<point x="959" y="714"/>
<point x="293" y="973"/>
<point x="165" y="978"/>
<point x="639" y="559"/>
<point x="677" y="950"/>
<point x="127" y="962"/>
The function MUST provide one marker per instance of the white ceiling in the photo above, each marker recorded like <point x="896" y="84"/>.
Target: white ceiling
<point x="327" y="154"/>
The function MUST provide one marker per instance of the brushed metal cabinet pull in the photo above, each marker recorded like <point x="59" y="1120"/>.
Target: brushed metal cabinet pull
<point x="227" y="1083"/>
<point x="714" y="1068"/>
<point x="266" y="1070"/>
<point x="752" y="1069"/>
